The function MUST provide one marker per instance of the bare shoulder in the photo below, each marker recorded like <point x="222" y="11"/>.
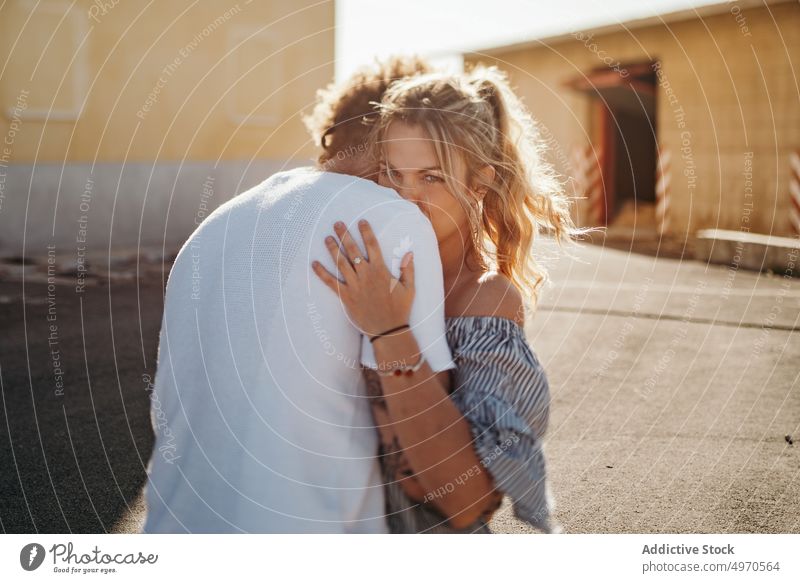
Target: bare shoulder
<point x="492" y="294"/>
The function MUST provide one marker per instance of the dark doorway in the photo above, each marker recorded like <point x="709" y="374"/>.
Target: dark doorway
<point x="624" y="131"/>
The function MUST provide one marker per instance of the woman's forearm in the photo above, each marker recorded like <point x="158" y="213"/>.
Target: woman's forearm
<point x="435" y="437"/>
<point x="396" y="464"/>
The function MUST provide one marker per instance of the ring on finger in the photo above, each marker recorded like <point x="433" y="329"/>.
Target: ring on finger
<point x="357" y="260"/>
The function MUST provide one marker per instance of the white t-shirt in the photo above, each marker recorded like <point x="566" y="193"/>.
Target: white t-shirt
<point x="259" y="405"/>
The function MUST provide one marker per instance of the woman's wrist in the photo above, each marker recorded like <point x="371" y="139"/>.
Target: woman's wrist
<point x="397" y="350"/>
<point x="385" y="322"/>
<point x="401" y="368"/>
<point x="388" y="331"/>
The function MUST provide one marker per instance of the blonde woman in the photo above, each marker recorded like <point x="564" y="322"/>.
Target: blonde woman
<point x="464" y="150"/>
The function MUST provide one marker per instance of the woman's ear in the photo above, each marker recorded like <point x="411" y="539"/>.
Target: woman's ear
<point x="487" y="174"/>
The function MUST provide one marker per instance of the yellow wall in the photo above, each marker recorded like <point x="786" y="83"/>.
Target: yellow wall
<point x="736" y="86"/>
<point x="77" y="81"/>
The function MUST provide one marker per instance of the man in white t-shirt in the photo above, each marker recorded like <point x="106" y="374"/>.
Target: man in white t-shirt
<point x="259" y="406"/>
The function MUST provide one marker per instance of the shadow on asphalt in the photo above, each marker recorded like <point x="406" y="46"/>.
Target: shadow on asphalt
<point x="75" y="462"/>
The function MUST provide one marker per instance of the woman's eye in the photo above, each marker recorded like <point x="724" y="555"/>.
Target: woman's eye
<point x="431" y="179"/>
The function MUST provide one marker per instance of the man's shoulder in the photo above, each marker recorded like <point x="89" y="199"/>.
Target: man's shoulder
<point x="335" y="183"/>
<point x="361" y="198"/>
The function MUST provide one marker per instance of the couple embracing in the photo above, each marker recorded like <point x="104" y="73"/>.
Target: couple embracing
<point x="342" y="348"/>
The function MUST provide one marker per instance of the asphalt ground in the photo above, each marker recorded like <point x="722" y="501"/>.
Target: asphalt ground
<point x="675" y="396"/>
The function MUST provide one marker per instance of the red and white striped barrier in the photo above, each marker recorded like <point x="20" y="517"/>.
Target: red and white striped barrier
<point x="663" y="178"/>
<point x="588" y="177"/>
<point x="794" y="192"/>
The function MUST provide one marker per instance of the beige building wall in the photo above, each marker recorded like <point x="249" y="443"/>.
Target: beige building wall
<point x="733" y="73"/>
<point x="141" y="106"/>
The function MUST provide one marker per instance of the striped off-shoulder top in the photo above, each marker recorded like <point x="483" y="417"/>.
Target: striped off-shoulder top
<point x="502" y="390"/>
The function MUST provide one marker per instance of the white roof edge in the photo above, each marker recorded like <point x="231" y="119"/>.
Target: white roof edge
<point x="677" y="16"/>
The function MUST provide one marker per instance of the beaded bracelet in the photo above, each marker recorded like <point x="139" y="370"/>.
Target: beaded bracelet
<point x="402" y="369"/>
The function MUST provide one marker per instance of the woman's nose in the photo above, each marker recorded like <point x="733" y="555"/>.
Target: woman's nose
<point x="408" y="191"/>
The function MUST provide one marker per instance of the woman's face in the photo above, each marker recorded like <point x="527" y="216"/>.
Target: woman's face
<point x="411" y="168"/>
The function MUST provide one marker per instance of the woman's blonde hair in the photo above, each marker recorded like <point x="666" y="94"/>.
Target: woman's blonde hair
<point x="477" y="119"/>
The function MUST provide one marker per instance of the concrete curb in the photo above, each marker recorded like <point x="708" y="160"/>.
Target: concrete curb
<point x="748" y="250"/>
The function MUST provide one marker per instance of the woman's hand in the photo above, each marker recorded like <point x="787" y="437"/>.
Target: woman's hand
<point x="373" y="298"/>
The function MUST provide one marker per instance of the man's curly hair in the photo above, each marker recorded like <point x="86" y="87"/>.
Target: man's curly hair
<point x="341" y="116"/>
